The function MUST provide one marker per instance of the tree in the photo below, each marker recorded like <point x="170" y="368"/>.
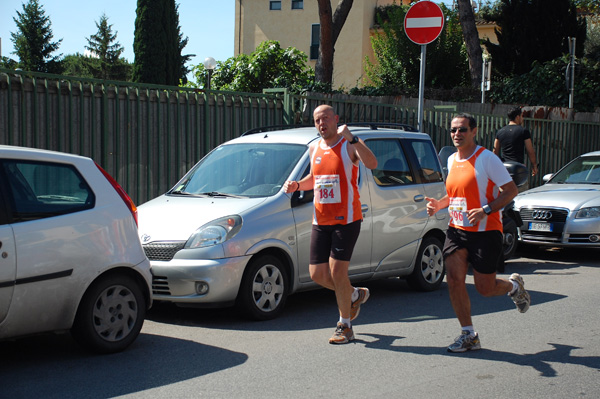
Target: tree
<point x="87" y="67"/>
<point x="76" y="65"/>
<point x="533" y="30"/>
<point x="8" y="63"/>
<point x="471" y="37"/>
<point x="158" y="43"/>
<point x="33" y="40"/>
<point x="330" y="28"/>
<point x="592" y="39"/>
<point x="269" y="66"/>
<point x="588" y="5"/>
<point x="544" y="84"/>
<point x="397" y="69"/>
<point x="104" y="61"/>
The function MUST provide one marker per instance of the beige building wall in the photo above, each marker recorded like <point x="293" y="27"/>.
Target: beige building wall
<point x="255" y="23"/>
<point x="487" y="31"/>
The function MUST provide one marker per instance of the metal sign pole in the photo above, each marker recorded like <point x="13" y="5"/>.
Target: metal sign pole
<point x="572" y="71"/>
<point x="421" y="88"/>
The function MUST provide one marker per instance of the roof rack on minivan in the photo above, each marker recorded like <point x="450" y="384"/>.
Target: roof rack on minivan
<point x="271" y="128"/>
<point x="376" y="125"/>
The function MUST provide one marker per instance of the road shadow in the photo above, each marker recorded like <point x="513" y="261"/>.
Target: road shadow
<point x="540" y="361"/>
<point x="559" y="258"/>
<point x="36" y="366"/>
<point x="391" y="301"/>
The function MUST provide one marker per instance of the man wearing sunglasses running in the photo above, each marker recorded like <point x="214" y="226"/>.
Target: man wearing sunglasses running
<point x="478" y="187"/>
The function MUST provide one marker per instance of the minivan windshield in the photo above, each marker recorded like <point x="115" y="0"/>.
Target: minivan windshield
<point x="242" y="170"/>
<point x="583" y="170"/>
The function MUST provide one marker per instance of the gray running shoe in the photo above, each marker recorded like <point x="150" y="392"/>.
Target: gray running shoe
<point x="465" y="342"/>
<point x="342" y="335"/>
<point x="521" y="297"/>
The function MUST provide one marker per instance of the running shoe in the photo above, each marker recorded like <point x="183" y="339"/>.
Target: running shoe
<point x="342" y="335"/>
<point x="363" y="296"/>
<point x="521" y="297"/>
<point x="465" y="342"/>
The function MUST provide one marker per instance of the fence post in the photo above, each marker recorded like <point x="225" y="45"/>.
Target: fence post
<point x="287" y="109"/>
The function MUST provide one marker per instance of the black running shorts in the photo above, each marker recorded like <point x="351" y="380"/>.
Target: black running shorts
<point x="335" y="241"/>
<point x="484" y="248"/>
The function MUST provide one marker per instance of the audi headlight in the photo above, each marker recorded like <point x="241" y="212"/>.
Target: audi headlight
<point x="587" y="213"/>
<point x="216" y="232"/>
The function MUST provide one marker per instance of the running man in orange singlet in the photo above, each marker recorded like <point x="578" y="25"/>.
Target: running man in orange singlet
<point x="337" y="215"/>
<point x="478" y="187"/>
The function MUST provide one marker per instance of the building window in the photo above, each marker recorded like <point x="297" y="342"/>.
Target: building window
<point x="297" y="4"/>
<point x="314" y="41"/>
<point x="275" y="5"/>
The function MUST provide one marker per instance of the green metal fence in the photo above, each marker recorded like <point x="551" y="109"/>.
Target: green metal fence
<point x="145" y="136"/>
<point x="555" y="141"/>
<point x="148" y="136"/>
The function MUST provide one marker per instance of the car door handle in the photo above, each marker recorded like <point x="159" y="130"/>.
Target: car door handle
<point x="364" y="208"/>
<point x="419" y="198"/>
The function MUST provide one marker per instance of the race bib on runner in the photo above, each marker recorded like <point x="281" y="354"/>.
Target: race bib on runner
<point x="327" y="188"/>
<point x="458" y="212"/>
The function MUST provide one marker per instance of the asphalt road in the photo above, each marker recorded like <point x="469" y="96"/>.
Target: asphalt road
<point x="552" y="351"/>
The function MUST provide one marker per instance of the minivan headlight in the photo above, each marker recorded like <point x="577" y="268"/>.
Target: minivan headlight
<point x="587" y="213"/>
<point x="216" y="232"/>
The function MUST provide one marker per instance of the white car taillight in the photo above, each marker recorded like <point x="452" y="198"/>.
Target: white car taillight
<point x="124" y="196"/>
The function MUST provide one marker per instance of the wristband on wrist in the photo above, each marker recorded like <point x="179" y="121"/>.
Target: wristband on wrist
<point x="297" y="186"/>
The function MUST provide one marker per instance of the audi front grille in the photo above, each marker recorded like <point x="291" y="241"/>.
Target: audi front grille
<point x="553" y="215"/>
<point x="556" y="216"/>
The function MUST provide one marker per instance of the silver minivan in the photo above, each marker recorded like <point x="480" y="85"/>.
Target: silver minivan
<point x="227" y="234"/>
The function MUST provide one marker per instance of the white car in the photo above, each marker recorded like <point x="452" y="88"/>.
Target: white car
<point x="70" y="256"/>
<point x="565" y="211"/>
<point x="227" y="233"/>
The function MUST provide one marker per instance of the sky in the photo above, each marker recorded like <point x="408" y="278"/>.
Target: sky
<point x="209" y="25"/>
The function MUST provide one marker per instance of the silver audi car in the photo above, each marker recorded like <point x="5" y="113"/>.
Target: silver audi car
<point x="227" y="234"/>
<point x="565" y="211"/>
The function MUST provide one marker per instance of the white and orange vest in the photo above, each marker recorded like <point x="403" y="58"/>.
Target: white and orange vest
<point x="472" y="183"/>
<point x="335" y="177"/>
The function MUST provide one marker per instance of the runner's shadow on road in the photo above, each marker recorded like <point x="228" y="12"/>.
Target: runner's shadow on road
<point x="391" y="301"/>
<point x="540" y="361"/>
<point x="54" y="366"/>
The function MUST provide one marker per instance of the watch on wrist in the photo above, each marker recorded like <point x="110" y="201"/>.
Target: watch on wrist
<point x="486" y="208"/>
<point x="354" y="140"/>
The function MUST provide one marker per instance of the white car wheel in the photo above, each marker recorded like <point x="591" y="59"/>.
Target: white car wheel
<point x="110" y="315"/>
<point x="264" y="288"/>
<point x="429" y="270"/>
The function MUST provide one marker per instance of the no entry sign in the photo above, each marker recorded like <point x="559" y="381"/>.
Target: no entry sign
<point x="424" y="22"/>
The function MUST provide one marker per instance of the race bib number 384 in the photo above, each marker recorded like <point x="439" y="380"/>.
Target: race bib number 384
<point x="458" y="211"/>
<point x="327" y="188"/>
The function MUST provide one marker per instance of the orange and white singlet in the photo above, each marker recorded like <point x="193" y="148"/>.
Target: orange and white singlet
<point x="335" y="185"/>
<point x="472" y="183"/>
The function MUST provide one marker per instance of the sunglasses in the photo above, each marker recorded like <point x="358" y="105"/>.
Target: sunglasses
<point x="460" y="129"/>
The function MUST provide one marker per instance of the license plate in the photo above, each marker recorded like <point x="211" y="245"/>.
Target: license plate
<point x="540" y="226"/>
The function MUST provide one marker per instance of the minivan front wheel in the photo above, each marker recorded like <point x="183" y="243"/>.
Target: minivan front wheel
<point x="429" y="270"/>
<point x="264" y="288"/>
